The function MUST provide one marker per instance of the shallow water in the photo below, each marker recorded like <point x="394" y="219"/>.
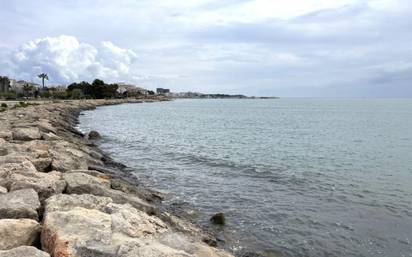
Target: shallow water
<point x="297" y="177"/>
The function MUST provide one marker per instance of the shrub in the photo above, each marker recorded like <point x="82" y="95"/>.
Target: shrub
<point x="4" y="105"/>
<point x="11" y="95"/>
<point x="76" y="94"/>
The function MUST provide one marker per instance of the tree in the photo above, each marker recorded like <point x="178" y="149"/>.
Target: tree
<point x="43" y="76"/>
<point x="76" y="93"/>
<point x="27" y="89"/>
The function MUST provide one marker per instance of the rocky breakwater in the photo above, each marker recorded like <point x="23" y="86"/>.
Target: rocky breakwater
<point x="61" y="197"/>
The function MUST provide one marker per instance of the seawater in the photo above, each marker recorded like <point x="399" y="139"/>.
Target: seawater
<point x="295" y="177"/>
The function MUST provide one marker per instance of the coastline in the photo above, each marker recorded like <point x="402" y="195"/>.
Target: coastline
<point x="63" y="196"/>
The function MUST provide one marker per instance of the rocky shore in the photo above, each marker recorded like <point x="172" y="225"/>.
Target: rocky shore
<point x="60" y="196"/>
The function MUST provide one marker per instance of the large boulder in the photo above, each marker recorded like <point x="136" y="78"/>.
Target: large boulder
<point x="66" y="156"/>
<point x="45" y="184"/>
<point x="64" y="202"/>
<point x="18" y="232"/>
<point x="45" y="126"/>
<point x="92" y="226"/>
<point x="19" y="204"/>
<point x="16" y="164"/>
<point x="80" y="183"/>
<point x="24" y="251"/>
<point x="26" y="134"/>
<point x="64" y="232"/>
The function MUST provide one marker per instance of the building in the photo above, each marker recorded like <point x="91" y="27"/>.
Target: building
<point x="162" y="91"/>
<point x="131" y="90"/>
<point x="4" y="84"/>
<point x="18" y="85"/>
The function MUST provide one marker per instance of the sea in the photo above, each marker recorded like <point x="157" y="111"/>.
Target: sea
<point x="294" y="177"/>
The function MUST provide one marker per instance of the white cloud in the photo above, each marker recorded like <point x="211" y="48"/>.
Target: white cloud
<point x="66" y="59"/>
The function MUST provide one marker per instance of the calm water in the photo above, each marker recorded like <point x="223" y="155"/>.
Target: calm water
<point x="295" y="177"/>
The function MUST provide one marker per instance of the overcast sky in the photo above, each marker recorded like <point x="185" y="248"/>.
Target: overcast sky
<point x="360" y="48"/>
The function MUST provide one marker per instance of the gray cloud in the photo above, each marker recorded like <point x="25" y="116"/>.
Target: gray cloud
<point x="357" y="49"/>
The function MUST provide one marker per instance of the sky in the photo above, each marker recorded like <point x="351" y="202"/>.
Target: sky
<point x="293" y="48"/>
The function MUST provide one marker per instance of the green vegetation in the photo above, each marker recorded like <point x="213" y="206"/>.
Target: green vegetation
<point x="97" y="90"/>
<point x="43" y="76"/>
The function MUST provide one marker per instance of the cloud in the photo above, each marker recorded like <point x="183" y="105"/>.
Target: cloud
<point x="66" y="59"/>
<point x="254" y="47"/>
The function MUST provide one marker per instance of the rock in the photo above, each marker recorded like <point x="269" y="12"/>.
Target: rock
<point x="93" y="173"/>
<point x="188" y="228"/>
<point x="24" y="251"/>
<point x="19" y="204"/>
<point x="134" y="223"/>
<point x="45" y="184"/>
<point x="64" y="232"/>
<point x="50" y="137"/>
<point x="18" y="232"/>
<point x="45" y="126"/>
<point x="218" y="219"/>
<point x="42" y="164"/>
<point x="80" y="183"/>
<point x="66" y="157"/>
<point x="6" y="135"/>
<point x="63" y="202"/>
<point x="25" y="167"/>
<point x="93" y="135"/>
<point x="26" y="134"/>
<point x="87" y="225"/>
<point x="155" y="249"/>
<point x="3" y="190"/>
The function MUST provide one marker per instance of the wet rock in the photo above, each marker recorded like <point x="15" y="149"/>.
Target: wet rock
<point x="26" y="134"/>
<point x="19" y="204"/>
<point x="218" y="219"/>
<point x="18" y="232"/>
<point x="93" y="135"/>
<point x="189" y="228"/>
<point x="24" y="251"/>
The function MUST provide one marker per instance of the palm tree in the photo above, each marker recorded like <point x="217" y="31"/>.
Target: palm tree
<point x="43" y="76"/>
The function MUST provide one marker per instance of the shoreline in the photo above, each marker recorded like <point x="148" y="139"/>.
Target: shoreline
<point x="65" y="183"/>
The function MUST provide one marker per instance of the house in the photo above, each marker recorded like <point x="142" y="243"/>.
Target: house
<point x="131" y="90"/>
<point x="4" y="84"/>
<point x="18" y="85"/>
<point x="162" y="91"/>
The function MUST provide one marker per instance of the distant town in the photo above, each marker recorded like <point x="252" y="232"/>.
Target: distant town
<point x="12" y="89"/>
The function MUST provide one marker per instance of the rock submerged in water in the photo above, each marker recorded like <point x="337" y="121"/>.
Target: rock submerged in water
<point x="93" y="135"/>
<point x="218" y="219"/>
